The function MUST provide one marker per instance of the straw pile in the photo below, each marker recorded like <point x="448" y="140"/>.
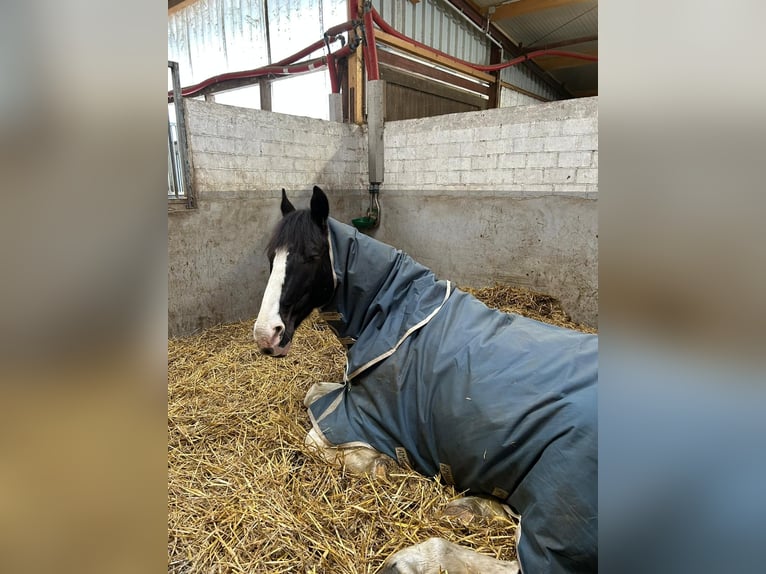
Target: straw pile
<point x="531" y="304"/>
<point x="245" y="495"/>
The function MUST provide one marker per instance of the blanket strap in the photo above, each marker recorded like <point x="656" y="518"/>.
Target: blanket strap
<point x="446" y="472"/>
<point x="330" y="316"/>
<point x="500" y="493"/>
<point x="403" y="458"/>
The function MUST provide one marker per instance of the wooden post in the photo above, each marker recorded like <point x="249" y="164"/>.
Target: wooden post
<point x="265" y="94"/>
<point x="495" y="55"/>
<point x="355" y="72"/>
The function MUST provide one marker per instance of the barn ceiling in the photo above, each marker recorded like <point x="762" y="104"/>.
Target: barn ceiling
<point x="569" y="25"/>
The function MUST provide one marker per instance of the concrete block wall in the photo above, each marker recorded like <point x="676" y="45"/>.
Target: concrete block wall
<point x="238" y="149"/>
<point x="509" y="98"/>
<point x="546" y="147"/>
<point x="241" y="159"/>
<point x="503" y="195"/>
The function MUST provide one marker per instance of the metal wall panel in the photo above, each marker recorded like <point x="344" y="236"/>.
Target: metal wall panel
<point x="293" y="24"/>
<point x="521" y="77"/>
<point x="436" y="24"/>
<point x="210" y="37"/>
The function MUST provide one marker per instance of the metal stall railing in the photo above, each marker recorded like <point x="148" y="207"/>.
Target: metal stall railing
<point x="179" y="167"/>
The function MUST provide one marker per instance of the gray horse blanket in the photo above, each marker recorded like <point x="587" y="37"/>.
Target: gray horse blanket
<point x="494" y="403"/>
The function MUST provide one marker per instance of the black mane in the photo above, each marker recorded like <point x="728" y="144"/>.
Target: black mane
<point x="298" y="232"/>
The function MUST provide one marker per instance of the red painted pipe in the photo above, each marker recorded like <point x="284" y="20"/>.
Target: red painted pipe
<point x="340" y="28"/>
<point x="537" y="54"/>
<point x="331" y="33"/>
<point x="370" y="50"/>
<point x="343" y="52"/>
<point x="302" y="54"/>
<point x="332" y="68"/>
<point x="274" y="69"/>
<point x="282" y="67"/>
<point x="383" y="25"/>
<point x="287" y="65"/>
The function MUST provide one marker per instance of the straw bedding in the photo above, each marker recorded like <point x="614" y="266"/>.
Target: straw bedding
<point x="245" y="495"/>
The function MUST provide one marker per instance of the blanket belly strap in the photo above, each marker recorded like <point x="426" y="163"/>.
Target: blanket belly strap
<point x="403" y="458"/>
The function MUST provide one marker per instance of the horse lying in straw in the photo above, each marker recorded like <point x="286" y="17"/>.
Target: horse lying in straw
<point x="499" y="405"/>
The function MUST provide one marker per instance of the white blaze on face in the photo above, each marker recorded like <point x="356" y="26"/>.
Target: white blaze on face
<point x="269" y="326"/>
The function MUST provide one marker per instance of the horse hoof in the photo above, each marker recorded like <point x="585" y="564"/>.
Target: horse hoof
<point x="471" y="508"/>
<point x="381" y="468"/>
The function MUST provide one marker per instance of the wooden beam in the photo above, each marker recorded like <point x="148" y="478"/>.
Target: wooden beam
<point x="507" y="11"/>
<point x="549" y="63"/>
<point x="431" y="56"/>
<point x="562" y="43"/>
<point x="401" y="63"/>
<point x="355" y="87"/>
<point x="176" y="5"/>
<point x="355" y="75"/>
<point x="495" y="54"/>
<point x="343" y="74"/>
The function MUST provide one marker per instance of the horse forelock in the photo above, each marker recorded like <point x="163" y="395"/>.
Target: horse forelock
<point x="297" y="233"/>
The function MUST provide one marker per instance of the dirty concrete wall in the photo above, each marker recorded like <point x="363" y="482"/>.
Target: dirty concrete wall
<point x="241" y="159"/>
<point x="499" y="195"/>
<point x="504" y="195"/>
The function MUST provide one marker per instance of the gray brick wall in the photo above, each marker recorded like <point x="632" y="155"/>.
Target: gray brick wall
<point x="500" y="195"/>
<point x="552" y="146"/>
<point x="506" y="194"/>
<point x="241" y="159"/>
<point x="236" y="149"/>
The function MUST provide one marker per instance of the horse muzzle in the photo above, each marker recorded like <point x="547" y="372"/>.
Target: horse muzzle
<point x="275" y="351"/>
<point x="271" y="339"/>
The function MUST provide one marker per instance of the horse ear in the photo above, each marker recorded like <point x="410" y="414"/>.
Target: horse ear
<point x="320" y="207"/>
<point x="286" y="206"/>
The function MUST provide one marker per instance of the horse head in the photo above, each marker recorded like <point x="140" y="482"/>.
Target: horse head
<point x="301" y="277"/>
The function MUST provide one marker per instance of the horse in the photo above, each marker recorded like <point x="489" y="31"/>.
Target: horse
<point x="499" y="405"/>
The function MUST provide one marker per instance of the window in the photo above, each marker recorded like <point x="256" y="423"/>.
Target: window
<point x="179" y="173"/>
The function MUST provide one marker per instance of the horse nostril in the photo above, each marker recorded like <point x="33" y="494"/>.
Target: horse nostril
<point x="278" y="330"/>
<point x="267" y="351"/>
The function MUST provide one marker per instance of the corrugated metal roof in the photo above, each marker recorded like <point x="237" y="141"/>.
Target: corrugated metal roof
<point x="553" y="25"/>
<point x="543" y="27"/>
